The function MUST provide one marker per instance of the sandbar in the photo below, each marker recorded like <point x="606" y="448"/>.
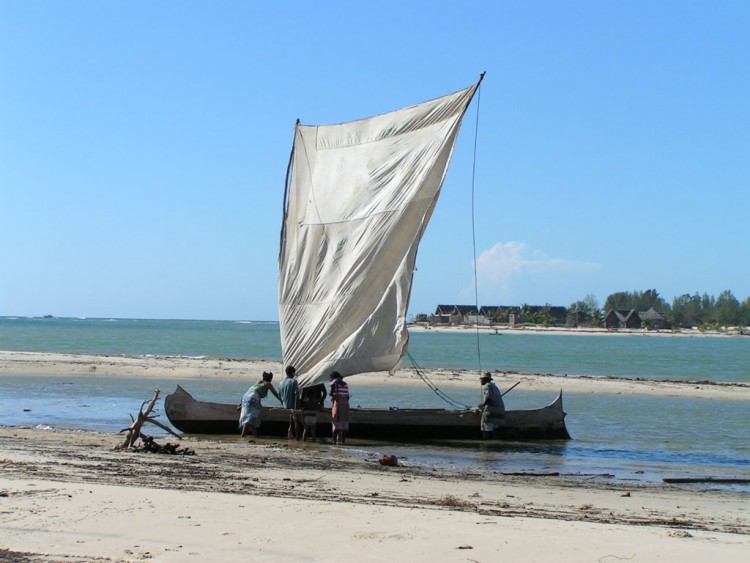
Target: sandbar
<point x="52" y="364"/>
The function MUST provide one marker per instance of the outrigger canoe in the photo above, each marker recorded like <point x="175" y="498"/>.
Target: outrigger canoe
<point x="192" y="416"/>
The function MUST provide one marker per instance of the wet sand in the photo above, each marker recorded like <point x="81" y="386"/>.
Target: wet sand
<point x="34" y="363"/>
<point x="69" y="496"/>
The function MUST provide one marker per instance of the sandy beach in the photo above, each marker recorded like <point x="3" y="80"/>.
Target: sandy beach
<point x="724" y="332"/>
<point x="188" y="368"/>
<point x="69" y="496"/>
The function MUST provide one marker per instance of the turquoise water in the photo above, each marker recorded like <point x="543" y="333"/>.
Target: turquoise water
<point x="620" y="437"/>
<point x="216" y="339"/>
<point x="649" y="357"/>
<point x="694" y="359"/>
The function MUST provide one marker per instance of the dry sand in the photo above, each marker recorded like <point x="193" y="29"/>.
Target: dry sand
<point x="68" y="496"/>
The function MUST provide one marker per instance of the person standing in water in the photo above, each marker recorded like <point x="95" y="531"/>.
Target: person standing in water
<point x="289" y="391"/>
<point x="251" y="404"/>
<point x="339" y="408"/>
<point x="313" y="399"/>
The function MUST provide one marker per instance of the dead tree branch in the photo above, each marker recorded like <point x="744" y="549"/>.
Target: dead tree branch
<point x="134" y="432"/>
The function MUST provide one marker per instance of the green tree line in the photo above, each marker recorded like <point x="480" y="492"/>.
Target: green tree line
<point x="685" y="311"/>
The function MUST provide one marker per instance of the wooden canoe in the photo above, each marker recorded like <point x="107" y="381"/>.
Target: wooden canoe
<point x="412" y="425"/>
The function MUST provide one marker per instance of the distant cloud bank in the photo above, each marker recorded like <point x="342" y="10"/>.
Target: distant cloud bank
<point x="512" y="273"/>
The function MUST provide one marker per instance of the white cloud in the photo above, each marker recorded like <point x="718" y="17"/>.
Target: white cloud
<point x="513" y="273"/>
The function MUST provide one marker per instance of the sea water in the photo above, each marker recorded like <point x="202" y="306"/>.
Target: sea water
<point x="717" y="359"/>
<point x="619" y="437"/>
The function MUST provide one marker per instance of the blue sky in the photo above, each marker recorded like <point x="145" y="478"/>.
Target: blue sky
<point x="144" y="145"/>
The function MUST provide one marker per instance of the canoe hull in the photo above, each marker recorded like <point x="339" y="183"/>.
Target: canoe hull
<point x="414" y="425"/>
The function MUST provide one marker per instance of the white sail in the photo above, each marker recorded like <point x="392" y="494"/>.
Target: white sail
<point x="359" y="197"/>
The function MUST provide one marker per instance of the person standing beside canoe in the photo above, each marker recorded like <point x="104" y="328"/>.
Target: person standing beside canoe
<point x="289" y="391"/>
<point x="313" y="398"/>
<point x="492" y="407"/>
<point x="251" y="404"/>
<point x="339" y="408"/>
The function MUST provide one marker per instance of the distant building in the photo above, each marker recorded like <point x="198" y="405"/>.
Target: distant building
<point x="494" y="314"/>
<point x="489" y="315"/>
<point x="453" y="314"/>
<point x="652" y="319"/>
<point x="554" y="314"/>
<point x="578" y="318"/>
<point x="622" y="318"/>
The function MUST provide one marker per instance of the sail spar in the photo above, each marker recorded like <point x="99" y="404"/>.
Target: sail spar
<point x="358" y="199"/>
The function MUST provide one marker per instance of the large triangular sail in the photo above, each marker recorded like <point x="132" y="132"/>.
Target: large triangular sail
<point x="359" y="197"/>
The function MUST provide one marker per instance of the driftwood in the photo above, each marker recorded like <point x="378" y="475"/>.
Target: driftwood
<point x="134" y="432"/>
<point x="150" y="446"/>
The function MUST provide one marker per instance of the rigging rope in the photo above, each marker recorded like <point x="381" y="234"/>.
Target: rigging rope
<point x="473" y="226"/>
<point x="454" y="403"/>
<point x="423" y="376"/>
